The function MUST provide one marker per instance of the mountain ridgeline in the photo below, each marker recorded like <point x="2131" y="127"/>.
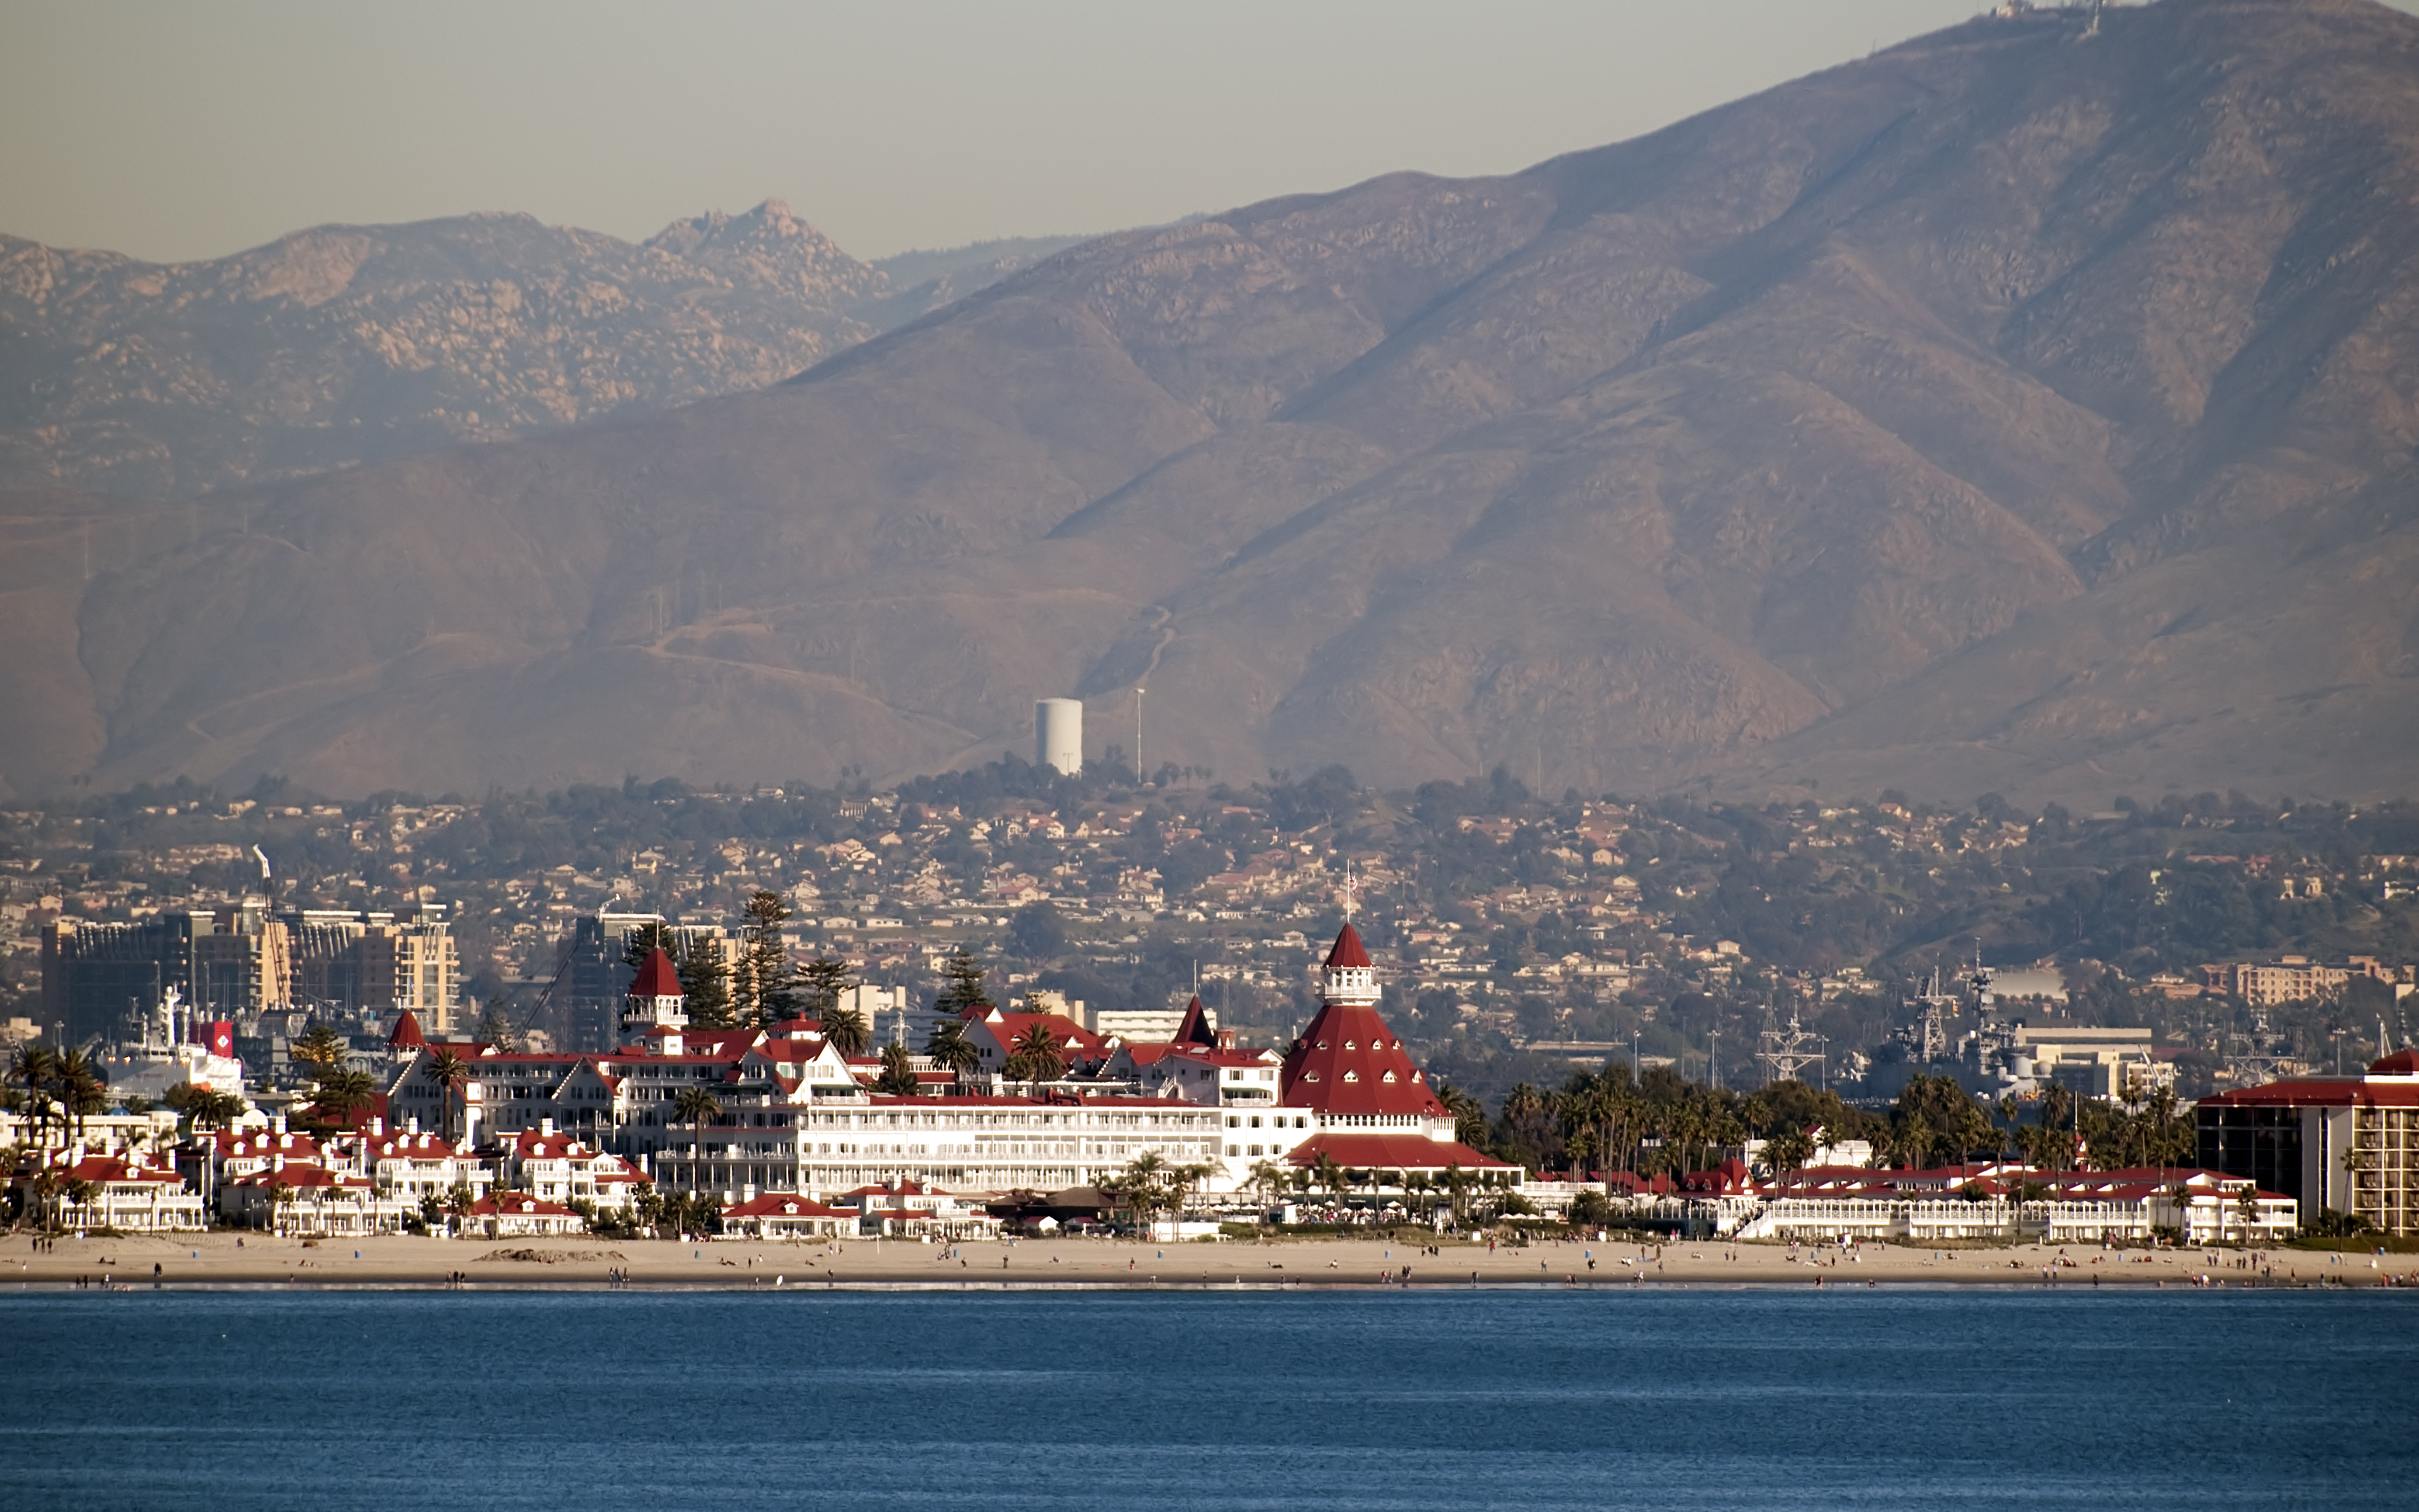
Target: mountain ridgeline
<point x="2015" y="409"/>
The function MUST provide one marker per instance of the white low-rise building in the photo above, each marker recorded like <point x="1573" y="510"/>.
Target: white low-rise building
<point x="128" y="1192"/>
<point x="2011" y="1203"/>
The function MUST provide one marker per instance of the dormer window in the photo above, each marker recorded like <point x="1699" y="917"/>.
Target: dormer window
<point x="1351" y="1075"/>
<point x="1350" y="1045"/>
<point x="1390" y="1076"/>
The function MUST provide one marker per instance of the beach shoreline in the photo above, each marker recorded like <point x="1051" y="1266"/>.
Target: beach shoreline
<point x="225" y="1259"/>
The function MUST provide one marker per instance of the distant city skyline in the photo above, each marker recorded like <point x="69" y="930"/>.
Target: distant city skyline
<point x="174" y="133"/>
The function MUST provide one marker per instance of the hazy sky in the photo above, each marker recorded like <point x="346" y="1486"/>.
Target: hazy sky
<point x="172" y="130"/>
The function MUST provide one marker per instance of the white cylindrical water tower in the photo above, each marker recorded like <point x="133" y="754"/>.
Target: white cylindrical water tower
<point x="1058" y="735"/>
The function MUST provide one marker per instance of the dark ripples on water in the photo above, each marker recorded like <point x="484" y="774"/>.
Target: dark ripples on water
<point x="1613" y="1399"/>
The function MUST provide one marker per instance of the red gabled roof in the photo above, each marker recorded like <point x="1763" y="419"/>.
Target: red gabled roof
<point x="1073" y="1038"/>
<point x="910" y="1188"/>
<point x="1393" y="1152"/>
<point x="407" y="1035"/>
<point x="1348" y="1062"/>
<point x="519" y="1205"/>
<point x="1346" y="950"/>
<point x="784" y="1205"/>
<point x="657" y="978"/>
<point x="2401" y="1063"/>
<point x="408" y="1146"/>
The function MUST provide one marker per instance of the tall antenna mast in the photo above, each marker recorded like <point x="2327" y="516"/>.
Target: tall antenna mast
<point x="1138" y="693"/>
<point x="1788" y="1052"/>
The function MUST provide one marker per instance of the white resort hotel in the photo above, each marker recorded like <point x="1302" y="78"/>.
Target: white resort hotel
<point x="791" y="1115"/>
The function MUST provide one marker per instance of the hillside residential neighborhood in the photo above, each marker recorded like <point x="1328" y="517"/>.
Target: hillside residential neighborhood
<point x="1520" y="935"/>
<point x="1030" y="1120"/>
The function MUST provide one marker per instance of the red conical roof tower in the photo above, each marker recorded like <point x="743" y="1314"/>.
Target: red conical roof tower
<point x="1349" y="1063"/>
<point x="657" y="978"/>
<point x="1348" y="950"/>
<point x="407" y="1035"/>
<point x="656" y="1001"/>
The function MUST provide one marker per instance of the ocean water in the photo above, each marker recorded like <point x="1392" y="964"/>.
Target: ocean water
<point x="1615" y="1399"/>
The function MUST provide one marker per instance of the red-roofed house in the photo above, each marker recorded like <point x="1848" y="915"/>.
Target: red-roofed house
<point x="907" y="1209"/>
<point x="518" y="1215"/>
<point x="995" y="1033"/>
<point x="414" y="1166"/>
<point x="308" y="1198"/>
<point x="557" y="1167"/>
<point x="92" y="1191"/>
<point x="787" y="1215"/>
<point x="1999" y="1202"/>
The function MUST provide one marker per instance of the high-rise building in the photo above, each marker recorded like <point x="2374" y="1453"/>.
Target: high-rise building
<point x="103" y="979"/>
<point x="350" y="963"/>
<point x="2349" y="1145"/>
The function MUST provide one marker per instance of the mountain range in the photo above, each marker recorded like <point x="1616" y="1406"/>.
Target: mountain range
<point x="2025" y="408"/>
<point x="351" y="343"/>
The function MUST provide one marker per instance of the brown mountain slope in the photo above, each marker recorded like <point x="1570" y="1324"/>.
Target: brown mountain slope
<point x="2014" y="408"/>
<point x="344" y="343"/>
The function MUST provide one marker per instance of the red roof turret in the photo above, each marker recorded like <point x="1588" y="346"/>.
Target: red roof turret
<point x="657" y="977"/>
<point x="1348" y="950"/>
<point x="407" y="1035"/>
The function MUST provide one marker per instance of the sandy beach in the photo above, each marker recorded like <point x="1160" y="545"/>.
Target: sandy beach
<point x="256" y="1260"/>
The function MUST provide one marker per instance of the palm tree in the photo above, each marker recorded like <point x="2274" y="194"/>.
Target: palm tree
<point x="1457" y="1188"/>
<point x="450" y="1073"/>
<point x="898" y="1078"/>
<point x="34" y="1068"/>
<point x="1788" y="1150"/>
<point x="1328" y="1175"/>
<point x="1036" y="1055"/>
<point x="78" y="1193"/>
<point x="1188" y="1179"/>
<point x="949" y="1048"/>
<point x="81" y="1091"/>
<point x="1469" y="1112"/>
<point x="845" y="1027"/>
<point x="695" y="1104"/>
<point x="340" y="1094"/>
<point x="1268" y="1179"/>
<point x="1142" y="1186"/>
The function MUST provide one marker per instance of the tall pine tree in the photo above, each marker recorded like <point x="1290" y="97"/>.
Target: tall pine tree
<point x="821" y="982"/>
<point x="706" y="979"/>
<point x="964" y="978"/>
<point x="760" y="987"/>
